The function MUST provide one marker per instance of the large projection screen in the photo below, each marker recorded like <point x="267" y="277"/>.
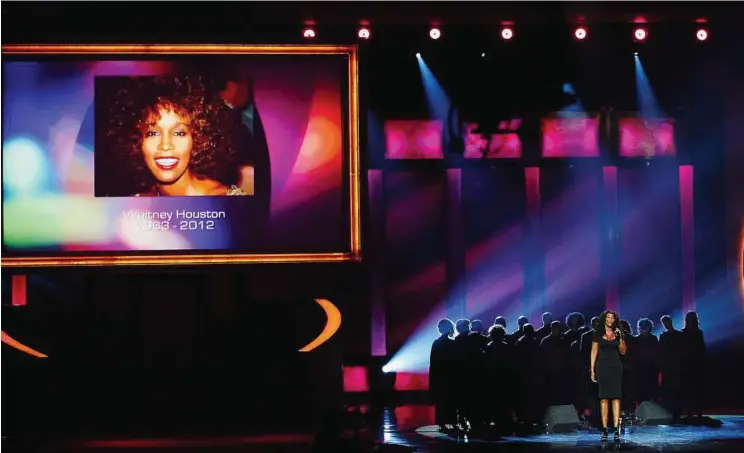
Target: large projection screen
<point x="179" y="154"/>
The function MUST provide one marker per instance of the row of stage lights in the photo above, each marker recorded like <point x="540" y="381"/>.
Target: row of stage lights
<point x="580" y="33"/>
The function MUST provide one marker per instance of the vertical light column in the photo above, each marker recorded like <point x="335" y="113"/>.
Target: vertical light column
<point x="455" y="254"/>
<point x="611" y="238"/>
<point x="18" y="287"/>
<point x="534" y="284"/>
<point x="376" y="253"/>
<point x="687" y="220"/>
<point x="732" y="95"/>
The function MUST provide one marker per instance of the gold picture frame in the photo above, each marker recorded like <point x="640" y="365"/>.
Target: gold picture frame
<point x="353" y="167"/>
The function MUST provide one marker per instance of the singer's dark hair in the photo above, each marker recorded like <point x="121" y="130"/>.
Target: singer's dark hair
<point x="603" y="320"/>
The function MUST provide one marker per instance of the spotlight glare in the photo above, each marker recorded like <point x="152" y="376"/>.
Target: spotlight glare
<point x="435" y="33"/>
<point x="418" y="55"/>
<point x="507" y="33"/>
<point x="308" y="33"/>
<point x="483" y="55"/>
<point x="702" y="34"/>
<point x="363" y="33"/>
<point x="640" y="34"/>
<point x="580" y="33"/>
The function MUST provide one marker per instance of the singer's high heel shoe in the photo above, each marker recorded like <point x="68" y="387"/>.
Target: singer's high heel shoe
<point x="616" y="436"/>
<point x="604" y="435"/>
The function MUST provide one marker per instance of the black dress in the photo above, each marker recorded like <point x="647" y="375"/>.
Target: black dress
<point x="609" y="368"/>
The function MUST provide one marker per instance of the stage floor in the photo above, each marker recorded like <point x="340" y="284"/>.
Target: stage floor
<point x="398" y="429"/>
<point x="409" y="429"/>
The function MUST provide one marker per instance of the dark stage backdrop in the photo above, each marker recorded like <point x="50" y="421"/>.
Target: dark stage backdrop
<point x="493" y="211"/>
<point x="520" y="262"/>
<point x="179" y="353"/>
<point x="571" y="230"/>
<point x="414" y="250"/>
<point x="650" y="251"/>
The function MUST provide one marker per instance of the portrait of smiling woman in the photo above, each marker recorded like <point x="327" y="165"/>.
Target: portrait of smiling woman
<point x="164" y="136"/>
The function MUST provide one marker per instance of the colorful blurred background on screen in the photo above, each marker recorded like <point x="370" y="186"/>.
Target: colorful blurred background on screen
<point x="49" y="159"/>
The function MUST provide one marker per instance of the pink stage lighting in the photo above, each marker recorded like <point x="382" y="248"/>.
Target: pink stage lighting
<point x="507" y="33"/>
<point x="435" y="33"/>
<point x="580" y="33"/>
<point x="308" y="33"/>
<point x="640" y="34"/>
<point x="702" y="34"/>
<point x="363" y="33"/>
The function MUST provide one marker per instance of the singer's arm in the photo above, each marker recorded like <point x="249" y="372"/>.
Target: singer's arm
<point x="593" y="360"/>
<point x="622" y="347"/>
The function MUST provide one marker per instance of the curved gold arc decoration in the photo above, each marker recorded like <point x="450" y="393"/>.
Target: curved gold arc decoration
<point x="741" y="263"/>
<point x="333" y="323"/>
<point x="12" y="342"/>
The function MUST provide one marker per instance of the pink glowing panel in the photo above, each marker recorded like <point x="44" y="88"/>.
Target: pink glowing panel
<point x="646" y="137"/>
<point x="413" y="140"/>
<point x="355" y="379"/>
<point x="570" y="137"/>
<point x="411" y="381"/>
<point x="415" y="415"/>
<point x="687" y="214"/>
<point x="502" y="146"/>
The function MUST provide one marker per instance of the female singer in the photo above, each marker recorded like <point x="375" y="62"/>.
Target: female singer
<point x="607" y="368"/>
<point x="174" y="139"/>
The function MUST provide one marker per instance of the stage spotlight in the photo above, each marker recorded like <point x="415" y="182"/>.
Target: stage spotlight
<point x="580" y="33"/>
<point x="507" y="33"/>
<point x="640" y="34"/>
<point x="435" y="33"/>
<point x="483" y="55"/>
<point x="363" y="33"/>
<point x="308" y="33"/>
<point x="418" y="55"/>
<point x="702" y="34"/>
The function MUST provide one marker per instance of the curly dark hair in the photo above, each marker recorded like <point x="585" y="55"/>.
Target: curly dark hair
<point x="577" y="317"/>
<point x="133" y="101"/>
<point x="645" y="323"/>
<point x="603" y="320"/>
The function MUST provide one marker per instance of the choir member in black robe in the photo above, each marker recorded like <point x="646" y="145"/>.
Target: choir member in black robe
<point x="695" y="366"/>
<point x="499" y="368"/>
<point x="441" y="379"/>
<point x="672" y="350"/>
<point x="527" y="372"/>
<point x="646" y="347"/>
<point x="544" y="331"/>
<point x="591" y="401"/>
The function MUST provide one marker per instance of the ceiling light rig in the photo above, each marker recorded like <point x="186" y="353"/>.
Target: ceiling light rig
<point x="580" y="33"/>
<point x="308" y="33"/>
<point x="507" y="33"/>
<point x="640" y="34"/>
<point x="364" y="32"/>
